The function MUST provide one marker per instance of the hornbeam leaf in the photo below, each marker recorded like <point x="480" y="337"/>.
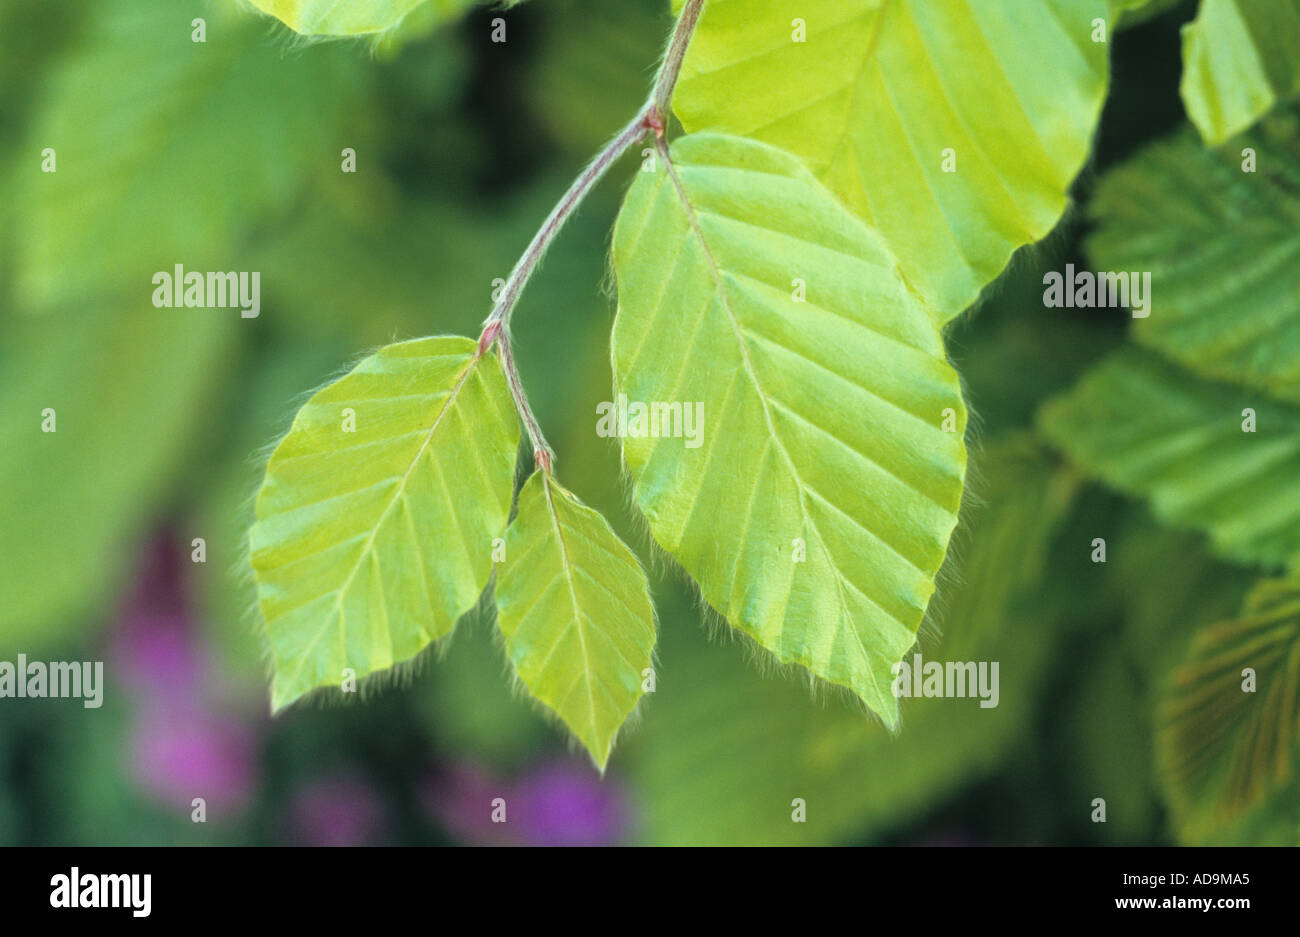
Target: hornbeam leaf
<point x="375" y="523"/>
<point x="793" y="457"/>
<point x="1153" y="430"/>
<point x="574" y="606"/>
<point x="876" y="95"/>
<point x="1222" y="247"/>
<point x="359" y="17"/>
<point x="1228" y="739"/>
<point x="1240" y="58"/>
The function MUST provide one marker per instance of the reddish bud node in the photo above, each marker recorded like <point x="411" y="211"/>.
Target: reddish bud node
<point x="654" y="120"/>
<point x="488" y="337"/>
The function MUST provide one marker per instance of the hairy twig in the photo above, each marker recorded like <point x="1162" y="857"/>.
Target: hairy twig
<point x="650" y="120"/>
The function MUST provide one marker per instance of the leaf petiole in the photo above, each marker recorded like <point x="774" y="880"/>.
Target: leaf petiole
<point x="650" y="119"/>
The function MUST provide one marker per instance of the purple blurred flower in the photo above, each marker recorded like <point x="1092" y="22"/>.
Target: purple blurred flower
<point x="566" y="804"/>
<point x="341" y="811"/>
<point x="183" y="744"/>
<point x="562" y="803"/>
<point x="183" y="753"/>
<point x="153" y="647"/>
<point x="460" y="800"/>
<point x="154" y="656"/>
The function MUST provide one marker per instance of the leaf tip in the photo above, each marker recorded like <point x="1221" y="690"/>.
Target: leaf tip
<point x="282" y="696"/>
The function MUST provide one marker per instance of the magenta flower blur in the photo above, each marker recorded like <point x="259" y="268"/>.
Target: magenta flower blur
<point x="153" y="649"/>
<point x="183" y="753"/>
<point x="341" y="811"/>
<point x="183" y="744"/>
<point x="568" y="804"/>
<point x="562" y="803"/>
<point x="459" y="799"/>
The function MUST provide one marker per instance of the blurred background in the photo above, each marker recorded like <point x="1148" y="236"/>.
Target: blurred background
<point x="226" y="156"/>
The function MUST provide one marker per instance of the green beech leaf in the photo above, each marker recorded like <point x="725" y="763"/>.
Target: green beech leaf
<point x="170" y="151"/>
<point x="1224" y="750"/>
<point x="879" y="90"/>
<point x="1223" y="248"/>
<point x="360" y="17"/>
<point x="1240" y="58"/>
<point x="1153" y="430"/>
<point x="370" y="543"/>
<point x="574" y="606"/>
<point x="725" y="748"/>
<point x="814" y="504"/>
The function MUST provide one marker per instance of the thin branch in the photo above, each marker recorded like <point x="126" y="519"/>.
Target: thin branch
<point x="649" y="120"/>
<point x="585" y="182"/>
<point x="673" y="58"/>
<point x="543" y="455"/>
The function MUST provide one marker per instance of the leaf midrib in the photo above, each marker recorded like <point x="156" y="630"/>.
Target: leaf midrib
<point x="689" y="210"/>
<point x="577" y="611"/>
<point x="336" y="615"/>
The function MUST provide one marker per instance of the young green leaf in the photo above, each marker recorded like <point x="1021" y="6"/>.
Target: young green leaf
<point x="1153" y="430"/>
<point x="954" y="127"/>
<point x="357" y="17"/>
<point x="375" y="523"/>
<point x="1230" y="725"/>
<point x="574" y="606"/>
<point x="808" y="482"/>
<point x="1222" y="246"/>
<point x="720" y="757"/>
<point x="1240" y="58"/>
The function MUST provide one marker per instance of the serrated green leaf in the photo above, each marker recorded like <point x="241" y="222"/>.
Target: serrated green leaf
<point x="360" y="17"/>
<point x="1240" y="58"/>
<point x="574" y="606"/>
<point x="1224" y="750"/>
<point x="879" y="90"/>
<point x="724" y="748"/>
<point x="820" y="420"/>
<point x="168" y="151"/>
<point x="1222" y="247"/>
<point x="224" y="594"/>
<point x="1152" y="430"/>
<point x="370" y="544"/>
<point x="1274" y="822"/>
